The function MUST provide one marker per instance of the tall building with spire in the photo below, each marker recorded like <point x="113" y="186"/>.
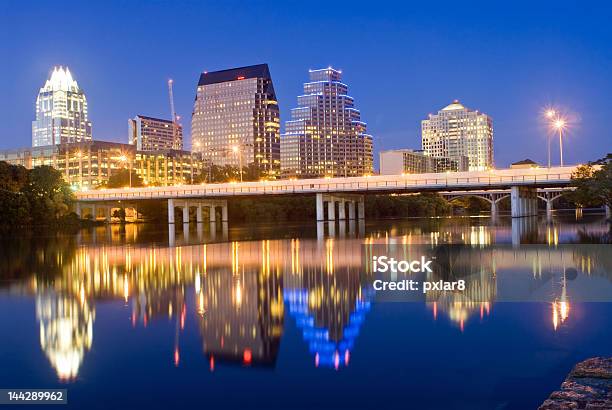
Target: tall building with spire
<point x="325" y="136"/>
<point x="235" y="119"/>
<point x="61" y="111"/>
<point x="456" y="132"/>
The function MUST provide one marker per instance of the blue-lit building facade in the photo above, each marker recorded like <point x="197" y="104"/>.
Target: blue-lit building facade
<point x="325" y="136"/>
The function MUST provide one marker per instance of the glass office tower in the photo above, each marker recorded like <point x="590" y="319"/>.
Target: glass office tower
<point x="61" y="111"/>
<point x="235" y="119"/>
<point x="325" y="136"/>
<point x="456" y="131"/>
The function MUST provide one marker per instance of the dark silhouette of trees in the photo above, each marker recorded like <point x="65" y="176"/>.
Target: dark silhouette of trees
<point x="121" y="179"/>
<point x="593" y="184"/>
<point x="33" y="197"/>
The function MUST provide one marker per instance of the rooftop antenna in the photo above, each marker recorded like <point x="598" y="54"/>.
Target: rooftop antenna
<point x="173" y="114"/>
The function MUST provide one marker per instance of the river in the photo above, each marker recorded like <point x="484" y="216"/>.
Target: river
<point x="262" y="316"/>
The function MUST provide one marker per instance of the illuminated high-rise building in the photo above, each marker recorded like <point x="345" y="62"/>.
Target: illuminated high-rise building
<point x="61" y="111"/>
<point x="325" y="136"/>
<point x="235" y="119"/>
<point x="153" y="134"/>
<point x="456" y="131"/>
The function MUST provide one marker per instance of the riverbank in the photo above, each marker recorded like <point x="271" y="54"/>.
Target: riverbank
<point x="588" y="386"/>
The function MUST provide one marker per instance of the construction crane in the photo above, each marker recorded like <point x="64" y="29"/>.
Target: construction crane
<point x="174" y="117"/>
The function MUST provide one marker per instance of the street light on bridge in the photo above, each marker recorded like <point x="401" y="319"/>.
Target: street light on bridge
<point x="558" y="123"/>
<point x="550" y="114"/>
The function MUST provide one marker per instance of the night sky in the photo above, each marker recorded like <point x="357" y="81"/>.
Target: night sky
<point x="401" y="61"/>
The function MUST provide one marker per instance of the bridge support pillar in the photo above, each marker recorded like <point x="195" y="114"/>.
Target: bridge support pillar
<point x="107" y="213"/>
<point x="331" y="209"/>
<point x="199" y="214"/>
<point x="186" y="213"/>
<point x="361" y="208"/>
<point x="199" y="204"/>
<point x="351" y="210"/>
<point x="493" y="209"/>
<point x="320" y="209"/>
<point x="549" y="208"/>
<point x="171" y="211"/>
<point x="523" y="201"/>
<point x="608" y="213"/>
<point x="77" y="209"/>
<point x="224" y="212"/>
<point x="355" y="206"/>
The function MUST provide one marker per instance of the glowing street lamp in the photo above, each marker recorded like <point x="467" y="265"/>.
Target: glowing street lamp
<point x="123" y="158"/>
<point x="236" y="150"/>
<point x="550" y="114"/>
<point x="559" y="125"/>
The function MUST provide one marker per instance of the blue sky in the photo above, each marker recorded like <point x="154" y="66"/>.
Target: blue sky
<point x="401" y="60"/>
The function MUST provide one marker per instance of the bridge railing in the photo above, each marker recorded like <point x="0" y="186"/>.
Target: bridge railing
<point x="353" y="184"/>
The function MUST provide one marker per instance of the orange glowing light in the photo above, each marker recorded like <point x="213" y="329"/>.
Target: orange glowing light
<point x="212" y="363"/>
<point x="247" y="356"/>
<point x="177" y="357"/>
<point x="241" y="77"/>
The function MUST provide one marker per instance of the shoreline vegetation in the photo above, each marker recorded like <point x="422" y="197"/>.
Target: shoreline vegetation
<point x="40" y="197"/>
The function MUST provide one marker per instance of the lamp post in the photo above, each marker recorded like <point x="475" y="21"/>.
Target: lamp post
<point x="550" y="114"/>
<point x="559" y="125"/>
<point x="124" y="159"/>
<point x="236" y="149"/>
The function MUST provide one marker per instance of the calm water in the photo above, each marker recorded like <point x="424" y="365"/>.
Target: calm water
<point x="282" y="318"/>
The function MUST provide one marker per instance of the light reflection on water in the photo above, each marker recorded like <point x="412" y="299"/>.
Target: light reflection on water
<point x="242" y="287"/>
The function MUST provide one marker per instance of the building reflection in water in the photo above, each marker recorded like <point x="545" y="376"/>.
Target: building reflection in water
<point x="242" y="309"/>
<point x="66" y="330"/>
<point x="241" y="290"/>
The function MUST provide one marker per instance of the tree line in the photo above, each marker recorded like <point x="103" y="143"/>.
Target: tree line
<point x="40" y="196"/>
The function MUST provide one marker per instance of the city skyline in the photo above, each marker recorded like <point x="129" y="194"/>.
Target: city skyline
<point x="512" y="88"/>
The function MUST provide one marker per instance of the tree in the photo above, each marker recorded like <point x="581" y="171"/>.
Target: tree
<point x="228" y="173"/>
<point x="49" y="196"/>
<point x="121" y="179"/>
<point x="12" y="177"/>
<point x="593" y="184"/>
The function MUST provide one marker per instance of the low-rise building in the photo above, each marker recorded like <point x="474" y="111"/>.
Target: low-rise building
<point x="406" y="161"/>
<point x="526" y="163"/>
<point x="90" y="164"/>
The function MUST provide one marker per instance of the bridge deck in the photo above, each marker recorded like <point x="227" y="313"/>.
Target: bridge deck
<point x="455" y="181"/>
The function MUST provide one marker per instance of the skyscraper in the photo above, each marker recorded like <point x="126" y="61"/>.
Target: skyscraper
<point x="61" y="111"/>
<point x="325" y="136"/>
<point x="457" y="131"/>
<point x="235" y="119"/>
<point x="152" y="134"/>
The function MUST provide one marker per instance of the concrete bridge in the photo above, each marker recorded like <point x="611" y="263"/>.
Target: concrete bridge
<point x="343" y="198"/>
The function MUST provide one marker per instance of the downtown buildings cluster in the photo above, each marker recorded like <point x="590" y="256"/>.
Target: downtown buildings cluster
<point x="236" y="121"/>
